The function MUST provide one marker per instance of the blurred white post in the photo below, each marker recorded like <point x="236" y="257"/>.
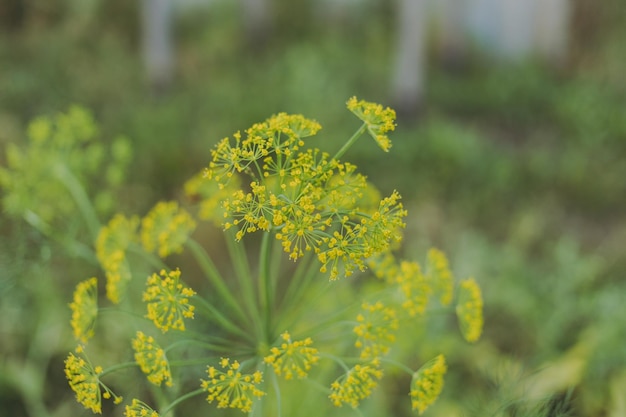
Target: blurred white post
<point x="257" y="21"/>
<point x="158" y="54"/>
<point x="552" y="33"/>
<point x="450" y="30"/>
<point x="407" y="88"/>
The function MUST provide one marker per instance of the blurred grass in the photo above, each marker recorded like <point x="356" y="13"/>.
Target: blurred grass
<point x="517" y="172"/>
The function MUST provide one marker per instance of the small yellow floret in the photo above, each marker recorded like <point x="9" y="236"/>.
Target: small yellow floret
<point x="152" y="360"/>
<point x="469" y="310"/>
<point x="232" y="389"/>
<point x="168" y="301"/>
<point x="427" y="384"/>
<point x="84" y="309"/>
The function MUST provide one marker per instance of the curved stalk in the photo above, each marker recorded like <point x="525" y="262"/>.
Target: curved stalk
<point x="214" y="276"/>
<point x="350" y="141"/>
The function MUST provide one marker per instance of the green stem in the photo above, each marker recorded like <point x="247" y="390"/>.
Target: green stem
<point x="211" y="272"/>
<point x="219" y="318"/>
<point x="244" y="276"/>
<point x="305" y="267"/>
<point x="350" y="141"/>
<point x="74" y="247"/>
<point x="152" y="259"/>
<point x="266" y="285"/>
<point x="179" y="400"/>
<point x="80" y="197"/>
<point x="117" y="367"/>
<point x="398" y="365"/>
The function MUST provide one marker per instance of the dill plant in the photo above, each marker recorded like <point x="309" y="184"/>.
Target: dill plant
<point x="306" y="307"/>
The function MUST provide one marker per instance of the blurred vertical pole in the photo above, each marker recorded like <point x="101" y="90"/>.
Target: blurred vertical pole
<point x="552" y="33"/>
<point x="156" y="19"/>
<point x="257" y="22"/>
<point x="449" y="20"/>
<point x="407" y="88"/>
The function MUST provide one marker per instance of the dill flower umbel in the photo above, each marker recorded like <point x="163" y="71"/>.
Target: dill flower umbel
<point x="168" y="301"/>
<point x="375" y="331"/>
<point x="166" y="228"/>
<point x="379" y="121"/>
<point x="414" y="287"/>
<point x="440" y="275"/>
<point x="151" y="359"/>
<point x="84" y="309"/>
<point x="232" y="389"/>
<point x="139" y="409"/>
<point x="292" y="358"/>
<point x="84" y="379"/>
<point x="111" y="245"/>
<point x="356" y="384"/>
<point x="427" y="384"/>
<point x="469" y="310"/>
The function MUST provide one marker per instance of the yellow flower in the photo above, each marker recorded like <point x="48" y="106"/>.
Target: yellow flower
<point x="139" y="409"/>
<point x="469" y="310"/>
<point x="84" y="309"/>
<point x="168" y="301"/>
<point x="166" y="228"/>
<point x="414" y="287"/>
<point x="84" y="380"/>
<point x="375" y="331"/>
<point x="440" y="275"/>
<point x="292" y="358"/>
<point x="232" y="389"/>
<point x="210" y="196"/>
<point x="427" y="384"/>
<point x="111" y="245"/>
<point x="379" y="121"/>
<point x="356" y="384"/>
<point x="152" y="360"/>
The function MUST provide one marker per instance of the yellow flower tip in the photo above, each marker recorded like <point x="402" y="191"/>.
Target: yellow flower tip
<point x="152" y="360"/>
<point x="139" y="409"/>
<point x="166" y="228"/>
<point x="84" y="310"/>
<point x="440" y="276"/>
<point x="469" y="310"/>
<point x="376" y="330"/>
<point x="427" y="384"/>
<point x="355" y="385"/>
<point x="292" y="358"/>
<point x="111" y="245"/>
<point x="379" y="120"/>
<point x="84" y="380"/>
<point x="232" y="389"/>
<point x="168" y="301"/>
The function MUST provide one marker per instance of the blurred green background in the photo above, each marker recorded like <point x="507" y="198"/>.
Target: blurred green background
<point x="515" y="167"/>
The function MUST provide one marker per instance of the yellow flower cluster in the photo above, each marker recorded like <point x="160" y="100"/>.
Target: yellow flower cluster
<point x="84" y="309"/>
<point x="308" y="199"/>
<point x="469" y="310"/>
<point x="139" y="409"/>
<point x="151" y="359"/>
<point x="209" y="196"/>
<point x="379" y="121"/>
<point x="111" y="245"/>
<point x="84" y="380"/>
<point x="356" y="384"/>
<point x="168" y="301"/>
<point x="440" y="275"/>
<point x="427" y="384"/>
<point x="292" y="358"/>
<point x="415" y="288"/>
<point x="375" y="331"/>
<point x="57" y="145"/>
<point x="166" y="228"/>
<point x="232" y="389"/>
